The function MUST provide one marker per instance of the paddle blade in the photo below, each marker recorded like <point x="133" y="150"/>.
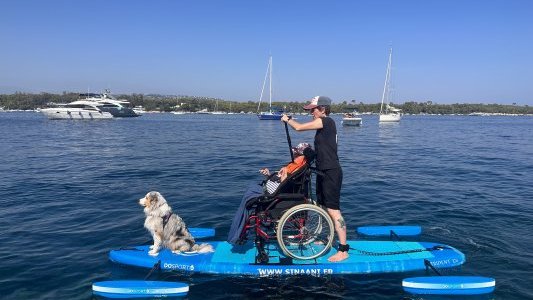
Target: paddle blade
<point x="199" y="232"/>
<point x="139" y="289"/>
<point x="386" y="230"/>
<point x="449" y="285"/>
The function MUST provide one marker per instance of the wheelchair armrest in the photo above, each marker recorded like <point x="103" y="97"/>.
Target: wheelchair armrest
<point x="289" y="196"/>
<point x="250" y="204"/>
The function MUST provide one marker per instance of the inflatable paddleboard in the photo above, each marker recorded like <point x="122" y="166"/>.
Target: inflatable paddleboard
<point x="449" y="285"/>
<point x="139" y="289"/>
<point x="411" y="230"/>
<point x="365" y="257"/>
<point x="202" y="233"/>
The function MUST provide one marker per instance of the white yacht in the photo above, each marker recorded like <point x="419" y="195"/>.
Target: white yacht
<point x="106" y="102"/>
<point x="77" y="110"/>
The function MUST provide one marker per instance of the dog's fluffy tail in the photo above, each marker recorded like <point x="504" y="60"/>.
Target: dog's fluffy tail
<point x="203" y="248"/>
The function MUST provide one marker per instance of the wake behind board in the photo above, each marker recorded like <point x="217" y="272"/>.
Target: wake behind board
<point x="370" y="257"/>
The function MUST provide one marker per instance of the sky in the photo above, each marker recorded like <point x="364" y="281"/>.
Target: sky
<point x="444" y="51"/>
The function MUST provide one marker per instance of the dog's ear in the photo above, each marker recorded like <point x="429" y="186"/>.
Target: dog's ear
<point x="152" y="197"/>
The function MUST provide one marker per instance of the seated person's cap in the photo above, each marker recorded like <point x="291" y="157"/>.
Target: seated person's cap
<point x="299" y="150"/>
<point x="318" y="101"/>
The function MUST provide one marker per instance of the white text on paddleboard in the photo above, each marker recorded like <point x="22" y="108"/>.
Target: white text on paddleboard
<point x="291" y="271"/>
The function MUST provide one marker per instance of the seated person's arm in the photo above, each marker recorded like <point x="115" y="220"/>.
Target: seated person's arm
<point x="282" y="173"/>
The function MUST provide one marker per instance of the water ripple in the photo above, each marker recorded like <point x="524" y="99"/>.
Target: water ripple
<point x="71" y="191"/>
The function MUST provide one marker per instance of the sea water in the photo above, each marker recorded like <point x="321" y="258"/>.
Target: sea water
<point x="70" y="190"/>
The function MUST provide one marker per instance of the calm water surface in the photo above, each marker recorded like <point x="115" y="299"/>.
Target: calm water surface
<point x="70" y="193"/>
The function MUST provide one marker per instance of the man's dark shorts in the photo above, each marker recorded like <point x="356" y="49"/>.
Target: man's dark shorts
<point x="328" y="188"/>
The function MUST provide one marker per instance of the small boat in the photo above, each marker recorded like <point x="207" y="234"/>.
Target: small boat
<point x="203" y="112"/>
<point x="77" y="110"/>
<point x="272" y="113"/>
<point x="388" y="113"/>
<point x="352" y="119"/>
<point x="139" y="110"/>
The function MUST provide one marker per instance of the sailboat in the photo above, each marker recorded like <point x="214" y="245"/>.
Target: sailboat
<point x="388" y="113"/>
<point x="271" y="114"/>
<point x="216" y="111"/>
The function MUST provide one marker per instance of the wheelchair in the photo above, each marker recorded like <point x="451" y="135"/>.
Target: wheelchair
<point x="288" y="215"/>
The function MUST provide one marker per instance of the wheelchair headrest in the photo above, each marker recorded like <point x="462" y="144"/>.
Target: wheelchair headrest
<point x="310" y="155"/>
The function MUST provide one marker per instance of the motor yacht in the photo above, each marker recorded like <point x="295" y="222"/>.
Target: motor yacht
<point x="106" y="102"/>
<point x="77" y="110"/>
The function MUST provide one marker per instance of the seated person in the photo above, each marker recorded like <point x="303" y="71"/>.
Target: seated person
<point x="268" y="186"/>
<point x="275" y="180"/>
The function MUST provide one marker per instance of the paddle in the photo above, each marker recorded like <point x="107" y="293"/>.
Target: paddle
<point x="289" y="139"/>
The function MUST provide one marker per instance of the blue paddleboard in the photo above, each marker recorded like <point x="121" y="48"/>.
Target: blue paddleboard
<point x="370" y="257"/>
<point x="449" y="285"/>
<point x="386" y="230"/>
<point x="200" y="232"/>
<point x="139" y="289"/>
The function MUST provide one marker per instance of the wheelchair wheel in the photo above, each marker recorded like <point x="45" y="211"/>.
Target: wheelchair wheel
<point x="305" y="231"/>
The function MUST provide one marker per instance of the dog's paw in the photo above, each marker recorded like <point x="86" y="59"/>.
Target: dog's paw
<point x="176" y="252"/>
<point x="153" y="252"/>
<point x="152" y="247"/>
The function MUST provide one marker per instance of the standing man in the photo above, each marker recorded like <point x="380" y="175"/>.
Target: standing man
<point x="328" y="185"/>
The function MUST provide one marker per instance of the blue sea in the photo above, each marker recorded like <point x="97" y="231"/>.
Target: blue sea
<point x="70" y="193"/>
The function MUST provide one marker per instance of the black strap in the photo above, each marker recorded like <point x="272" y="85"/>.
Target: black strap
<point x="156" y="266"/>
<point x="166" y="218"/>
<point x="428" y="264"/>
<point x="343" y="248"/>
<point x="435" y="248"/>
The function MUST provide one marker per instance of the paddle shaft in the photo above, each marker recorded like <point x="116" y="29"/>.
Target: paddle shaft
<point x="289" y="140"/>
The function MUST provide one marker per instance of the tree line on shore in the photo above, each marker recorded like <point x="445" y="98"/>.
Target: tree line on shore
<point x="168" y="103"/>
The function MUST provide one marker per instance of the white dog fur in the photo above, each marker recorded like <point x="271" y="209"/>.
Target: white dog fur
<point x="167" y="228"/>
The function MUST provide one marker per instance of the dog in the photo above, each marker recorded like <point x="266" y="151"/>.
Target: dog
<point x="167" y="228"/>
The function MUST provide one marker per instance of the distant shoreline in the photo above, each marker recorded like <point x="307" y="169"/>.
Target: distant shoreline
<point x="169" y="103"/>
<point x="253" y="113"/>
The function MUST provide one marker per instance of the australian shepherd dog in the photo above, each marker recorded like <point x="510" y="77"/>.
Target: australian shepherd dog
<point x="167" y="228"/>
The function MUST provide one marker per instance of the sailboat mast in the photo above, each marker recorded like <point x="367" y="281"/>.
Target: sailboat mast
<point x="387" y="82"/>
<point x="270" y="83"/>
<point x="263" y="88"/>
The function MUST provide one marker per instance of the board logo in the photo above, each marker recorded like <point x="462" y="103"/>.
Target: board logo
<point x="178" y="267"/>
<point x="294" y="271"/>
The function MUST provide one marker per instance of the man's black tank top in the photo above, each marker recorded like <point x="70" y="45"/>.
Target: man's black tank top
<point x="326" y="145"/>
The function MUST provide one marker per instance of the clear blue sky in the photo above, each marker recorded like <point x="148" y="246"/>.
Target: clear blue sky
<point x="446" y="51"/>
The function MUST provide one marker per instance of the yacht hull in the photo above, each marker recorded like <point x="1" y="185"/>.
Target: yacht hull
<point x="352" y="121"/>
<point x="74" y="114"/>
<point x="390" y="118"/>
<point x="269" y="116"/>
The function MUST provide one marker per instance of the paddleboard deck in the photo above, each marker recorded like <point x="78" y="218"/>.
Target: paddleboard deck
<point x="365" y="257"/>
